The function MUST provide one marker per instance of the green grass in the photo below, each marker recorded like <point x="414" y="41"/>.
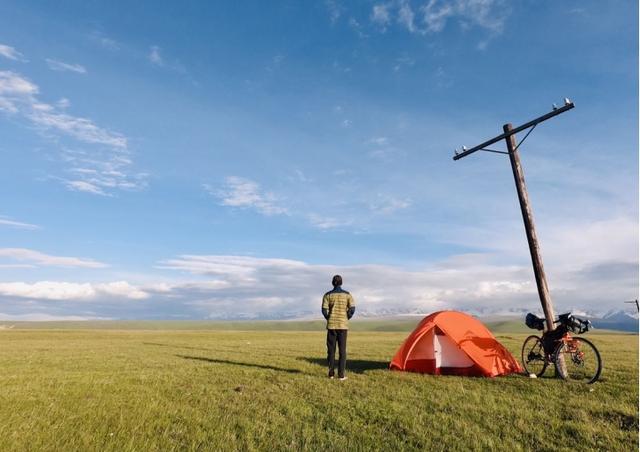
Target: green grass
<point x="266" y="390"/>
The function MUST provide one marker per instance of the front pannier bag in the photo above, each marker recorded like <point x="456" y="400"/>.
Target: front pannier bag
<point x="534" y="322"/>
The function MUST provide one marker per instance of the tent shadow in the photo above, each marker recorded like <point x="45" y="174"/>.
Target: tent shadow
<point x="358" y="366"/>
<point x="239" y="363"/>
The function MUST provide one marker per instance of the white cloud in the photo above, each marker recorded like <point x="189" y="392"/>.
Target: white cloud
<point x="487" y="14"/>
<point x="379" y="141"/>
<point x="386" y="205"/>
<point x="468" y="282"/>
<point x="403" y="61"/>
<point x="80" y="185"/>
<point x="82" y="129"/>
<point x="335" y="10"/>
<point x="228" y="286"/>
<point x="380" y="15"/>
<point x="38" y="258"/>
<point x="104" y="41"/>
<point x="325" y="222"/>
<point x="7" y="221"/>
<point x="107" y="158"/>
<point x="21" y="94"/>
<point x="436" y="15"/>
<point x="121" y="289"/>
<point x="43" y="317"/>
<point x="245" y="193"/>
<point x="68" y="291"/>
<point x="63" y="103"/>
<point x="432" y="16"/>
<point x="11" y="53"/>
<point x="155" y="57"/>
<point x="100" y="172"/>
<point x="406" y="16"/>
<point x="60" y="66"/>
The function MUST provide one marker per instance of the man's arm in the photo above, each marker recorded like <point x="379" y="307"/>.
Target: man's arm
<point x="351" y="307"/>
<point x="325" y="307"/>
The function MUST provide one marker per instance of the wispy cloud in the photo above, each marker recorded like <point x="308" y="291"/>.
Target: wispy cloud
<point x="104" y="41"/>
<point x="81" y="185"/>
<point x="381" y="15"/>
<point x="326" y="222"/>
<point x="103" y="167"/>
<point x="63" y="103"/>
<point x="155" y="57"/>
<point x="20" y="95"/>
<point x="406" y="16"/>
<point x="378" y="141"/>
<point x="432" y="16"/>
<point x="335" y="10"/>
<point x="11" y="53"/>
<point x="245" y="193"/>
<point x="61" y="66"/>
<point x="46" y="260"/>
<point x="101" y="172"/>
<point x="386" y="205"/>
<point x="403" y="61"/>
<point x="7" y="221"/>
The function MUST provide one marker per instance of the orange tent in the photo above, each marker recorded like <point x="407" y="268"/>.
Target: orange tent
<point x="454" y="343"/>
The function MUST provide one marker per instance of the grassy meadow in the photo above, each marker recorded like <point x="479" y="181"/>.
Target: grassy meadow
<point x="201" y="389"/>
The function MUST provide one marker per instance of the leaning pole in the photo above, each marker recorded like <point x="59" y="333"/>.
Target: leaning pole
<point x="509" y="136"/>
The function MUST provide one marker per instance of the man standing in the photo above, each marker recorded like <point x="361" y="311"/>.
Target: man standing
<point x="337" y="308"/>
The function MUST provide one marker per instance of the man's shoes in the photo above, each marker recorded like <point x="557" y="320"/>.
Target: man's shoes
<point x="342" y="378"/>
<point x="331" y="375"/>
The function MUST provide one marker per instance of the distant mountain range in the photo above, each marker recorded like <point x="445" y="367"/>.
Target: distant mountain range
<point x="618" y="320"/>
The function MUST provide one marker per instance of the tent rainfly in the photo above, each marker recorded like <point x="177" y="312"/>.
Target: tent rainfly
<point x="454" y="343"/>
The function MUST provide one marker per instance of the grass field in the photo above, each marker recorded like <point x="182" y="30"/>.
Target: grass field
<point x="104" y="389"/>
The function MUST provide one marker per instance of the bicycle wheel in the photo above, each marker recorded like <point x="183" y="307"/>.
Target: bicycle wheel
<point x="533" y="357"/>
<point x="581" y="360"/>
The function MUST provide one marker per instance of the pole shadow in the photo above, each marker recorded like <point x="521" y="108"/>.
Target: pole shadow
<point x="238" y="363"/>
<point x="358" y="366"/>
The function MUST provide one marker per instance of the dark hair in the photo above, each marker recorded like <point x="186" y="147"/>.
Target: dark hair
<point x="336" y="281"/>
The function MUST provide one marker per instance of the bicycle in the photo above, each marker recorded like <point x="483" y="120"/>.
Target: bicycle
<point x="574" y="359"/>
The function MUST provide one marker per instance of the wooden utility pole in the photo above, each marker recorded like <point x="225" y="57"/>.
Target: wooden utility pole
<point x="529" y="227"/>
<point x="509" y="136"/>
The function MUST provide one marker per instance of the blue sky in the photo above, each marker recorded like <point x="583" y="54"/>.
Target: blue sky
<point x="203" y="160"/>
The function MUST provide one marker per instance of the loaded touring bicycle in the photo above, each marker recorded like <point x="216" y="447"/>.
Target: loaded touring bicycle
<point x="575" y="359"/>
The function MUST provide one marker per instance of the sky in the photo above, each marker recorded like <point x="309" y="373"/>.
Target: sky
<point x="223" y="160"/>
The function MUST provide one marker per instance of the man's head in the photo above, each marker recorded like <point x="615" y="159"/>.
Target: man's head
<point x="336" y="281"/>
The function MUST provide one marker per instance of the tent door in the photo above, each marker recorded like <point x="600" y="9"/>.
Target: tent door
<point x="447" y="353"/>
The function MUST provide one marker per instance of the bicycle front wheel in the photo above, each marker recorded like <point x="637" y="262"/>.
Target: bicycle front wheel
<point x="533" y="356"/>
<point x="582" y="362"/>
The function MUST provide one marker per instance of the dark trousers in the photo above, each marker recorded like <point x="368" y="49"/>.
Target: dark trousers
<point x="339" y="336"/>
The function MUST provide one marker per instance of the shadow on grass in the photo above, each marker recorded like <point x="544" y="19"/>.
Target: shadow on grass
<point x="358" y="366"/>
<point x="176" y="346"/>
<point x="238" y="363"/>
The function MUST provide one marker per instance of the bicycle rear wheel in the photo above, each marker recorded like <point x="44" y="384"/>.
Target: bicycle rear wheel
<point x="581" y="360"/>
<point x="533" y="356"/>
